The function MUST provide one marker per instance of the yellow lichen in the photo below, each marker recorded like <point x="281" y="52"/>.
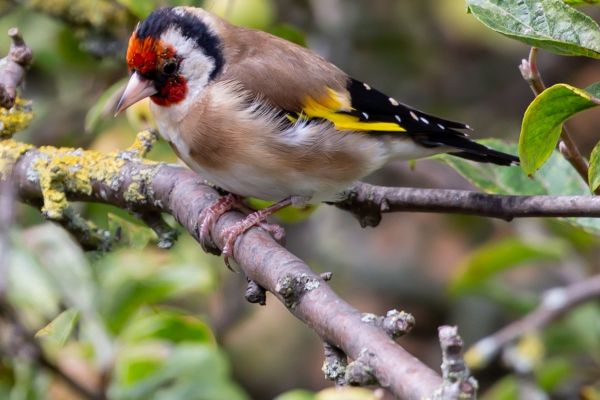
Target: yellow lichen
<point x="15" y="119"/>
<point x="10" y="151"/>
<point x="67" y="170"/>
<point x="144" y="141"/>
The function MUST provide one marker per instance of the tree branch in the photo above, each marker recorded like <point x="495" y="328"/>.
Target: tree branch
<point x="368" y="203"/>
<point x="555" y="303"/>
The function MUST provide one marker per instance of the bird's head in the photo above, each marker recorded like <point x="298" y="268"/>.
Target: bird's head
<point x="172" y="55"/>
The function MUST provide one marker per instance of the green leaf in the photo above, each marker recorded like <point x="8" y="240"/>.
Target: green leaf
<point x="59" y="330"/>
<point x="185" y="372"/>
<point x="103" y="107"/>
<point x="556" y="177"/>
<point x="544" y="118"/>
<point x="548" y="24"/>
<point x="506" y="388"/>
<point x="496" y="257"/>
<point x="139" y="8"/>
<point x="594" y="173"/>
<point x="551" y="373"/>
<point x="170" y="326"/>
<point x="581" y="2"/>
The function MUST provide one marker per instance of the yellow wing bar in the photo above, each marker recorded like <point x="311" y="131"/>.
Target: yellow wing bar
<point x="331" y="108"/>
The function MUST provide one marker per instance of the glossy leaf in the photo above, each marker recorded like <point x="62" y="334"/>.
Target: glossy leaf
<point x="544" y="118"/>
<point x="496" y="257"/>
<point x="548" y="24"/>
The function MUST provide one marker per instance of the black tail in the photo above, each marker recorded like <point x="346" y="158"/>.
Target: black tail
<point x="465" y="147"/>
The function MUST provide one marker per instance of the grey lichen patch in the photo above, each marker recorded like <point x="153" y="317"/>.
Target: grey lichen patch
<point x="395" y="323"/>
<point x="293" y="287"/>
<point x="140" y="189"/>
<point x="398" y="323"/>
<point x="359" y="372"/>
<point x="334" y="370"/>
<point x="369" y="318"/>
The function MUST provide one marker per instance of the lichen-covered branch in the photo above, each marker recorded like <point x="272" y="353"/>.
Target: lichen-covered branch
<point x="458" y="383"/>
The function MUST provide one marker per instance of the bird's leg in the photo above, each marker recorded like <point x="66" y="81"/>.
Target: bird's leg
<point x="275" y="230"/>
<point x="209" y="216"/>
<point x="251" y="220"/>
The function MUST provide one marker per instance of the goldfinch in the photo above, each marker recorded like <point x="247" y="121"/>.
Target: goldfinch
<point x="261" y="117"/>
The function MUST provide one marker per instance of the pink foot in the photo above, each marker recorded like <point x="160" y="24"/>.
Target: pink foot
<point x="255" y="219"/>
<point x="208" y="218"/>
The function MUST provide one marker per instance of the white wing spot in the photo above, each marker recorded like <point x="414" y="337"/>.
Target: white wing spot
<point x="365" y="115"/>
<point x="442" y="127"/>
<point x="424" y="120"/>
<point x="398" y="118"/>
<point x="367" y="86"/>
<point x="412" y="114"/>
<point x="394" y="102"/>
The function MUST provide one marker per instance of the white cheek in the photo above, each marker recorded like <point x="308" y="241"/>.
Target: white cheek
<point x="195" y="67"/>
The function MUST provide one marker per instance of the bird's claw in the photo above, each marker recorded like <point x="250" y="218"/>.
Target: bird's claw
<point x="208" y="219"/>
<point x="238" y="229"/>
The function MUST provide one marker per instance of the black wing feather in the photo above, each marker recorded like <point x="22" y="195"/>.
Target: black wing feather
<point x="379" y="107"/>
<point x="372" y="105"/>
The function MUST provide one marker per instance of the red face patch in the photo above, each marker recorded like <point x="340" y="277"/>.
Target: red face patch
<point x="172" y="92"/>
<point x="148" y="56"/>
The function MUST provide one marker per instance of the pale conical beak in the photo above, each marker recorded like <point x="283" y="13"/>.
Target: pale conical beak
<point x="137" y="89"/>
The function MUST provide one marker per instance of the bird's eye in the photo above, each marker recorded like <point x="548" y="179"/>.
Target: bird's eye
<point x="170" y="68"/>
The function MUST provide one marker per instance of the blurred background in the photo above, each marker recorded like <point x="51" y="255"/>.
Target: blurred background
<point x="138" y="307"/>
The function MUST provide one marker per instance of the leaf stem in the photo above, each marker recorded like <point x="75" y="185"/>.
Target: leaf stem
<point x="567" y="145"/>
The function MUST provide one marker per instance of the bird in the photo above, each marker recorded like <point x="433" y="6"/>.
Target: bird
<point x="261" y="117"/>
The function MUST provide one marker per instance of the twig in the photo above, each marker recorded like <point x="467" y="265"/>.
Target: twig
<point x="458" y="383"/>
<point x="368" y="203"/>
<point x="567" y="146"/>
<point x="13" y="68"/>
<point x="555" y="303"/>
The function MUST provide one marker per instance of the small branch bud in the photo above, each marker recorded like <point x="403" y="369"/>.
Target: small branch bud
<point x="255" y="294"/>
